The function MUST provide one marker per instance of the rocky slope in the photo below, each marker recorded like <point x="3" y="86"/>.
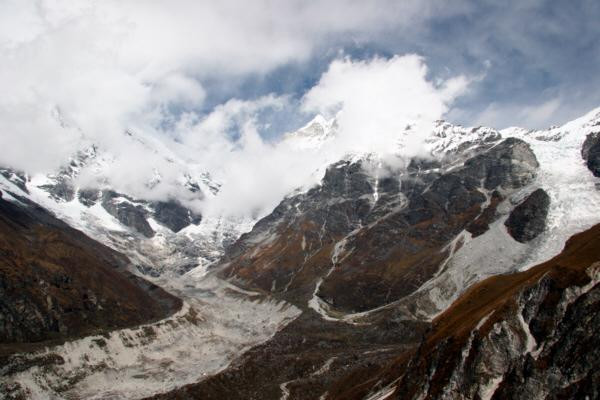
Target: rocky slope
<point x="386" y="237"/>
<point x="525" y="335"/>
<point x="413" y="238"/>
<point x="159" y="236"/>
<point x="372" y="258"/>
<point x="56" y="283"/>
<point x="528" y="335"/>
<point x="76" y="321"/>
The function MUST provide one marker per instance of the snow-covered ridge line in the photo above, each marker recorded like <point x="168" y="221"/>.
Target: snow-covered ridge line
<point x="315" y="134"/>
<point x="198" y="244"/>
<point x="562" y="173"/>
<point x="573" y="208"/>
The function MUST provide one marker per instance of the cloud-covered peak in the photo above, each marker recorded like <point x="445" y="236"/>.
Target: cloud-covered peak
<point x="204" y="81"/>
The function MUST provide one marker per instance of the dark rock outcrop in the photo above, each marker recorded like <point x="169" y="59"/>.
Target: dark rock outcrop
<point x="61" y="189"/>
<point x="531" y="334"/>
<point x="56" y="283"/>
<point x="511" y="164"/>
<point x="528" y="219"/>
<point x="129" y="214"/>
<point x="397" y="254"/>
<point x="396" y="228"/>
<point x="590" y="152"/>
<point x="135" y="213"/>
<point x="18" y="178"/>
<point x="89" y="197"/>
<point x="173" y="215"/>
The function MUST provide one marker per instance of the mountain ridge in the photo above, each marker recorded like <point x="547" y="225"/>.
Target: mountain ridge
<point x="327" y="270"/>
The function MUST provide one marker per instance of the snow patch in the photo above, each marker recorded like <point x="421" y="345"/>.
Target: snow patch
<point x="530" y="342"/>
<point x="483" y="320"/>
<point x="382" y="394"/>
<point x="316" y="303"/>
<point x="487" y="391"/>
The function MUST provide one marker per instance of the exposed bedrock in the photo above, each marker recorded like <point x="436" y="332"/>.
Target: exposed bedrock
<point x="386" y="236"/>
<point x="528" y="335"/>
<point x="129" y="214"/>
<point x="528" y="219"/>
<point x="173" y="215"/>
<point x="396" y="255"/>
<point x="591" y="152"/>
<point x="56" y="283"/>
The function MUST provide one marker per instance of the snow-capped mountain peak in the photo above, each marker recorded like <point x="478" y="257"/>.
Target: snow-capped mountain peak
<point x="313" y="135"/>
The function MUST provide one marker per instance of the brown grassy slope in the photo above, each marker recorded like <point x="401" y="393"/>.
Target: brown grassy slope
<point x="56" y="283"/>
<point x="494" y="297"/>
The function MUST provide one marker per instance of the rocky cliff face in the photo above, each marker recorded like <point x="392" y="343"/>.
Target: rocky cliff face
<point x="56" y="283"/>
<point x="591" y="152"/>
<point x="528" y="219"/>
<point x="418" y="282"/>
<point x="367" y="241"/>
<point x="127" y="212"/>
<point x="159" y="236"/>
<point x="420" y="278"/>
<point x="530" y="335"/>
<point x="413" y="238"/>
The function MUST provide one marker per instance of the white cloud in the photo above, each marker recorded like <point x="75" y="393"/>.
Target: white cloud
<point x="76" y="72"/>
<point x="120" y="64"/>
<point x="374" y="102"/>
<point x="378" y="99"/>
<point x="536" y="116"/>
<point x="178" y="90"/>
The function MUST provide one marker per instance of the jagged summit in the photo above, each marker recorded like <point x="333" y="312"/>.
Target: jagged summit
<point x="371" y="257"/>
<point x="462" y="194"/>
<point x="386" y="267"/>
<point x="313" y="135"/>
<point x="82" y="193"/>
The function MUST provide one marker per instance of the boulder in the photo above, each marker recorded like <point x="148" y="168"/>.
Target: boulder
<point x="590" y="152"/>
<point x="173" y="215"/>
<point x="528" y="219"/>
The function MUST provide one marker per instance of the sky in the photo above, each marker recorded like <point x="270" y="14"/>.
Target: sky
<point x="219" y="83"/>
